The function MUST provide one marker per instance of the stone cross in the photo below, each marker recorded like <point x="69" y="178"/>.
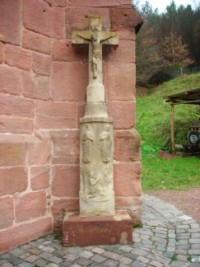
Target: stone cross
<point x="95" y="38"/>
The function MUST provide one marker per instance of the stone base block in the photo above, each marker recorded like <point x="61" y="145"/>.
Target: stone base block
<point x="97" y="230"/>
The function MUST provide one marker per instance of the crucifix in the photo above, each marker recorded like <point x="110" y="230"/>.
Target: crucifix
<point x="96" y="194"/>
<point x="95" y="38"/>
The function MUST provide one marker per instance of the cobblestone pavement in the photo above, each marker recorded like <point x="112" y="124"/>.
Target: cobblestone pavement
<point x="168" y="238"/>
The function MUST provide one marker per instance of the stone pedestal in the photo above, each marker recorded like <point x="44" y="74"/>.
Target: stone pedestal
<point x="97" y="230"/>
<point x="96" y="167"/>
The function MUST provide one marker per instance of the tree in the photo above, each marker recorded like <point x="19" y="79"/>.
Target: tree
<point x="175" y="52"/>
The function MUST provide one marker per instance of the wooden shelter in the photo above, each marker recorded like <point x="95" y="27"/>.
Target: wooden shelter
<point x="191" y="97"/>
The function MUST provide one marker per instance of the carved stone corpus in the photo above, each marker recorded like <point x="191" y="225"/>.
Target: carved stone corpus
<point x="95" y="38"/>
<point x="96" y="130"/>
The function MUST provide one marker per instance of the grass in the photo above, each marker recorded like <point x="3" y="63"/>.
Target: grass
<point x="153" y="123"/>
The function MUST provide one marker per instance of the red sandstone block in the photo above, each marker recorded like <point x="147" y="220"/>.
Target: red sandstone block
<point x="101" y="3"/>
<point x="66" y="181"/>
<point x="23" y="233"/>
<point x="11" y="125"/>
<point x="63" y="50"/>
<point x="36" y="42"/>
<point x="29" y="206"/>
<point x="13" y="180"/>
<point x="127" y="179"/>
<point x="63" y="3"/>
<point x="124" y="52"/>
<point x="39" y="177"/>
<point x="10" y="21"/>
<point x="6" y="212"/>
<point x="125" y="19"/>
<point x="77" y="17"/>
<point x="16" y="106"/>
<point x="1" y="52"/>
<point x="10" y="80"/>
<point x="40" y="17"/>
<point x="41" y="64"/>
<point x="123" y="114"/>
<point x="80" y="110"/>
<point x="65" y="147"/>
<point x="69" y="81"/>
<point x="13" y="150"/>
<point x="127" y="145"/>
<point x="61" y="206"/>
<point x="34" y="86"/>
<point x="120" y="81"/>
<point x="97" y="230"/>
<point x="133" y="205"/>
<point x="38" y="149"/>
<point x="56" y="115"/>
<point x="18" y="57"/>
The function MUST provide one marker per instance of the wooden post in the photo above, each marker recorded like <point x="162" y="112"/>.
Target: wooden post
<point x="172" y="130"/>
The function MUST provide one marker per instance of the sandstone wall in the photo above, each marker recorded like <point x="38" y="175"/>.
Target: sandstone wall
<point x="43" y="83"/>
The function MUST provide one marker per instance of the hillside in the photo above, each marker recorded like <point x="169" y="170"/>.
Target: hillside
<point x="153" y="124"/>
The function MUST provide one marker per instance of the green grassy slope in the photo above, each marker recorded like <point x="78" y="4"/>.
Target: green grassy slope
<point x="153" y="123"/>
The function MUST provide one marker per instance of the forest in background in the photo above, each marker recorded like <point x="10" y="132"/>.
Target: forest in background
<point x="168" y="43"/>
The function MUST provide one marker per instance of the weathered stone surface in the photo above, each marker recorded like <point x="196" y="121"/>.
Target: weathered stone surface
<point x="69" y="81"/>
<point x="41" y="64"/>
<point x="10" y="81"/>
<point x="6" y="212"/>
<point x="61" y="206"/>
<point x="62" y="50"/>
<point x="66" y="147"/>
<point x="97" y="230"/>
<point x="57" y="115"/>
<point x="18" y="57"/>
<point x="123" y="114"/>
<point x="13" y="150"/>
<point x="19" y="126"/>
<point x="38" y="149"/>
<point x="127" y="145"/>
<point x="41" y="18"/>
<point x="22" y="233"/>
<point x="78" y="18"/>
<point x="127" y="179"/>
<point x="119" y="81"/>
<point x="125" y="19"/>
<point x="1" y="52"/>
<point x="65" y="181"/>
<point x="10" y="24"/>
<point x="39" y="177"/>
<point x="123" y="53"/>
<point x="13" y="180"/>
<point x="16" y="106"/>
<point x="102" y="3"/>
<point x="29" y="206"/>
<point x="36" y="42"/>
<point x="133" y="205"/>
<point x="34" y="86"/>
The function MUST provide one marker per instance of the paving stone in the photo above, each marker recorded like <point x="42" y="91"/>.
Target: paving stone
<point x="56" y="260"/>
<point x="83" y="261"/>
<point x="110" y="263"/>
<point x="194" y="265"/>
<point x="156" y="264"/>
<point x="138" y="264"/>
<point x="86" y="254"/>
<point x="26" y="264"/>
<point x="178" y="264"/>
<point x="41" y="263"/>
<point x="32" y="258"/>
<point x="98" y="258"/>
<point x="15" y="260"/>
<point x="98" y="250"/>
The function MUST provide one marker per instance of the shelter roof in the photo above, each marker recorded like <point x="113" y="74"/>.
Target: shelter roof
<point x="188" y="97"/>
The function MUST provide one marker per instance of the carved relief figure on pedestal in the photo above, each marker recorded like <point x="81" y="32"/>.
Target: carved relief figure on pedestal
<point x="106" y="145"/>
<point x="87" y="145"/>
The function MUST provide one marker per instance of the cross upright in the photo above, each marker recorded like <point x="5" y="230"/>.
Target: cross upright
<point x="95" y="38"/>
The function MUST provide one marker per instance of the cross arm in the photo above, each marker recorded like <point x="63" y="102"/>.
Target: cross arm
<point x="81" y="37"/>
<point x="110" y="38"/>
